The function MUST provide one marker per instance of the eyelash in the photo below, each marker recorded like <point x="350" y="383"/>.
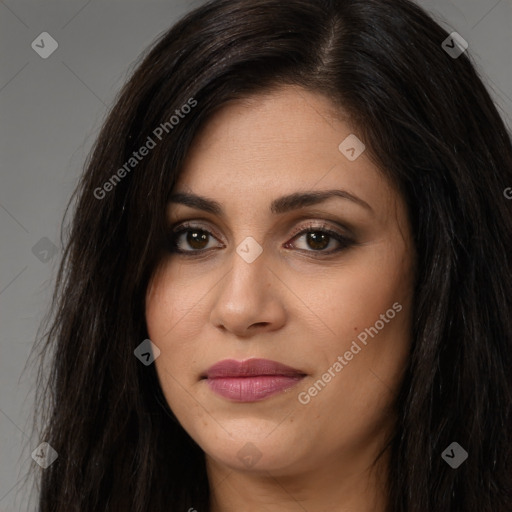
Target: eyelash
<point x="343" y="241"/>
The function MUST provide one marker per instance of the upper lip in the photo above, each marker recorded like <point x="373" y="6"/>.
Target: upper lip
<point x="250" y="368"/>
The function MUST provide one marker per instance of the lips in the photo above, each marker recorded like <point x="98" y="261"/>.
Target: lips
<point x="251" y="380"/>
<point x="250" y="368"/>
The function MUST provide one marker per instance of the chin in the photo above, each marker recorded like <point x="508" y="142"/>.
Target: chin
<point x="251" y="448"/>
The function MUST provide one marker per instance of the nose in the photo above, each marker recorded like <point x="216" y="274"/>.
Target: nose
<point x="249" y="299"/>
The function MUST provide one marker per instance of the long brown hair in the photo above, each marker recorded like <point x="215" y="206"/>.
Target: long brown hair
<point x="427" y="121"/>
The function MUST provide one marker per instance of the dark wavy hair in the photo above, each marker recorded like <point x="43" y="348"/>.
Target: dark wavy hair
<point x="430" y="125"/>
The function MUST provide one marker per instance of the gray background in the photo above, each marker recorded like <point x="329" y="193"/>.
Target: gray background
<point x="51" y="110"/>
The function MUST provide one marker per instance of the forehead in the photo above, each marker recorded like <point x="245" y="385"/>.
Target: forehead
<point x="275" y="144"/>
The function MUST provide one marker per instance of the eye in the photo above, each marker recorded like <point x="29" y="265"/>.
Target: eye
<point x="197" y="238"/>
<point x="317" y="238"/>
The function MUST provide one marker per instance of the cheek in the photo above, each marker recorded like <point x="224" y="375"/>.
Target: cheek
<point x="173" y="306"/>
<point x="353" y="297"/>
<point x="169" y="299"/>
<point x="175" y="313"/>
<point x="367" y="309"/>
<point x="169" y="311"/>
<point x="357" y="393"/>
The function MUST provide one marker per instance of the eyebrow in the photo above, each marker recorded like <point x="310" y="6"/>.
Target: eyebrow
<point x="280" y="205"/>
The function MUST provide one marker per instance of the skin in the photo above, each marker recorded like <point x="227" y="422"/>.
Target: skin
<point x="290" y="305"/>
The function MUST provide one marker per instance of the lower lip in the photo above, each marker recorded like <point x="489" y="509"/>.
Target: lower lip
<point x="251" y="389"/>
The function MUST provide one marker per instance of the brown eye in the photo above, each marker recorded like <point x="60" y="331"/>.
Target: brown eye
<point x="190" y="239"/>
<point x="318" y="239"/>
<point x="197" y="239"/>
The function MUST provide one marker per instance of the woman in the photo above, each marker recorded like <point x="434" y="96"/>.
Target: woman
<point x="340" y="337"/>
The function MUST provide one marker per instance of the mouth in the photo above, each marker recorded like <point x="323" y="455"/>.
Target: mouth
<point x="251" y="380"/>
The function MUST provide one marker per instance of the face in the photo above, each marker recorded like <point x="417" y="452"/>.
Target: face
<point x="318" y="287"/>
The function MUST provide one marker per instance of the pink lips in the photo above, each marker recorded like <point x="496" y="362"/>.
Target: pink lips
<point x="251" y="380"/>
